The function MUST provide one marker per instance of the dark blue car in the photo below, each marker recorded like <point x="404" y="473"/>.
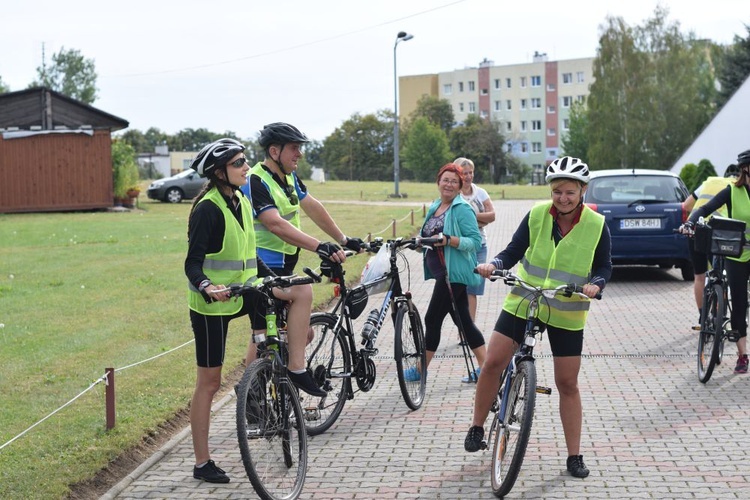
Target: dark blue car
<point x="642" y="209"/>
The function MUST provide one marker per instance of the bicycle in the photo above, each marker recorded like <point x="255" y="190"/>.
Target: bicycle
<point x="516" y="398"/>
<point x="716" y="306"/>
<point x="334" y="358"/>
<point x="270" y="429"/>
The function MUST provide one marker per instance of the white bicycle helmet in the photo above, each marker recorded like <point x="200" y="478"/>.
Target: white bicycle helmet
<point x="568" y="167"/>
<point x="215" y="155"/>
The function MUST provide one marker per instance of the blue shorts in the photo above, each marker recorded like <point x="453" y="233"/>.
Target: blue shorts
<point x="481" y="259"/>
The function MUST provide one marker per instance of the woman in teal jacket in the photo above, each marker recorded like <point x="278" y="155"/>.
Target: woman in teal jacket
<point x="456" y="255"/>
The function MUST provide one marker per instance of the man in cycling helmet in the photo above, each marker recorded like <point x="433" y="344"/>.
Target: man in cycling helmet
<point x="736" y="197"/>
<point x="559" y="241"/>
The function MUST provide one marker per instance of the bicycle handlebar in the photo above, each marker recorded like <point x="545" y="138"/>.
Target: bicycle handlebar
<point x="511" y="278"/>
<point x="269" y="282"/>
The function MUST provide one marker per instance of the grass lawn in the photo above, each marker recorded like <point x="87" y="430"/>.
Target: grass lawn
<point x="80" y="292"/>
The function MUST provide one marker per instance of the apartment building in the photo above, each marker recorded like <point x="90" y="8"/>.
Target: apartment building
<point x="529" y="102"/>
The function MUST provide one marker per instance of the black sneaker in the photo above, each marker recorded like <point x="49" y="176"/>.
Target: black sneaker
<point x="210" y="473"/>
<point x="576" y="467"/>
<point x="474" y="439"/>
<point x="305" y="382"/>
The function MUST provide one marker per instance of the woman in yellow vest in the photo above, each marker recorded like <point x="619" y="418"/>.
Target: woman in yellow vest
<point x="736" y="197"/>
<point x="557" y="237"/>
<point x="222" y="252"/>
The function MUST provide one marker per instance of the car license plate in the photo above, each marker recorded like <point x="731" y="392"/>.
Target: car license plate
<point x="640" y="224"/>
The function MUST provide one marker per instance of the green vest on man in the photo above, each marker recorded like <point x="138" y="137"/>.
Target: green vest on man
<point x="288" y="211"/>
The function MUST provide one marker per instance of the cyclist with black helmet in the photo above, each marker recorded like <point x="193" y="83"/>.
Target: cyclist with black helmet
<point x="736" y="197"/>
<point x="222" y="252"/>
<point x="558" y="240"/>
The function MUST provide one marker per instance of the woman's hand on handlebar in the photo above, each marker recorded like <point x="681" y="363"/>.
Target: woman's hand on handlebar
<point x="219" y="292"/>
<point x="591" y="291"/>
<point x="485" y="270"/>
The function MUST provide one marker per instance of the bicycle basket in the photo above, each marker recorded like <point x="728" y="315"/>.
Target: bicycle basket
<point x="357" y="301"/>
<point x="727" y="236"/>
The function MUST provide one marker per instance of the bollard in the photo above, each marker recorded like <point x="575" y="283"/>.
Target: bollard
<point x="424" y="210"/>
<point x="110" y="398"/>
<point x="394" y="227"/>
<point x="369" y="237"/>
<point x="412" y="217"/>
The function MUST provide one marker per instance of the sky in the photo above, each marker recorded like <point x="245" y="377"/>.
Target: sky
<point x="231" y="65"/>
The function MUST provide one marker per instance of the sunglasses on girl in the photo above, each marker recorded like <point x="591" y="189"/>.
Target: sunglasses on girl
<point x="239" y="162"/>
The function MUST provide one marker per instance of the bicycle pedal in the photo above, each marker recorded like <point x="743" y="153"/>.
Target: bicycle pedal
<point x="543" y="390"/>
<point x="732" y="335"/>
<point x="483" y="445"/>
<point x="312" y="414"/>
<point x="696" y="328"/>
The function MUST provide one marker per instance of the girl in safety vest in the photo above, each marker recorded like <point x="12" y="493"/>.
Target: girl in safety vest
<point x="561" y="237"/>
<point x="736" y="197"/>
<point x="222" y="252"/>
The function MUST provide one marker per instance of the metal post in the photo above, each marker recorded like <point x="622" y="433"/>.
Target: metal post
<point x="405" y="37"/>
<point x="110" y="397"/>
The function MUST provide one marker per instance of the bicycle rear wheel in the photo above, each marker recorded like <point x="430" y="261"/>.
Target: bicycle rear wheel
<point x="511" y="435"/>
<point x="710" y="336"/>
<point x="329" y="360"/>
<point x="271" y="436"/>
<point x="409" y="351"/>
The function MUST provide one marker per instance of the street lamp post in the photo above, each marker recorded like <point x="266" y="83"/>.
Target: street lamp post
<point x="402" y="36"/>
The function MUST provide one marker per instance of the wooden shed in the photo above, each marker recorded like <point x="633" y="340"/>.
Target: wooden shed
<point x="55" y="153"/>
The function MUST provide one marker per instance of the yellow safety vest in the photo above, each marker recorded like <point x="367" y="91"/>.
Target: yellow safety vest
<point x="710" y="188"/>
<point x="235" y="264"/>
<point x="265" y="238"/>
<point x="741" y="211"/>
<point x="548" y="265"/>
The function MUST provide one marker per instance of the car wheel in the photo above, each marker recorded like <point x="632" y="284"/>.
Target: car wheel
<point x="687" y="271"/>
<point x="173" y="195"/>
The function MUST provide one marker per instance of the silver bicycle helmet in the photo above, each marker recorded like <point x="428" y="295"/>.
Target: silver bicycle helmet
<point x="215" y="155"/>
<point x="568" y="167"/>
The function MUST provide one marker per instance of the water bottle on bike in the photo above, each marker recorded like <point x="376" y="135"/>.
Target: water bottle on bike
<point x="370" y="328"/>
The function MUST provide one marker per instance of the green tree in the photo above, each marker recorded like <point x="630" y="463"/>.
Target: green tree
<point x="576" y="142"/>
<point x="314" y="154"/>
<point x="3" y="88"/>
<point x="124" y="167"/>
<point x="438" y="112"/>
<point x="361" y="148"/>
<point x="735" y="68"/>
<point x="651" y="95"/>
<point x="426" y="150"/>
<point x="481" y="141"/>
<point x="688" y="174"/>
<point x="70" y="74"/>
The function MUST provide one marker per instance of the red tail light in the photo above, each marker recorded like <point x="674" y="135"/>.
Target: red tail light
<point x="592" y="206"/>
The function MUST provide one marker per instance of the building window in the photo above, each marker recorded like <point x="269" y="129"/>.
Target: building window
<point x="484" y="91"/>
<point x="447" y="89"/>
<point x="579" y="77"/>
<point x="536" y="81"/>
<point x="523" y="103"/>
<point x="581" y="98"/>
<point x="536" y="125"/>
<point x="497" y="84"/>
<point x="472" y="107"/>
<point x="523" y="126"/>
<point x="460" y="86"/>
<point x="566" y="124"/>
<point x="567" y="101"/>
<point x="552" y="132"/>
<point x="536" y="103"/>
<point x="551" y="109"/>
<point x="507" y="83"/>
<point x="508" y="127"/>
<point x="524" y="147"/>
<point x="471" y="87"/>
<point x="551" y="87"/>
<point x="567" y="78"/>
<point x="483" y="114"/>
<point x="461" y="107"/>
<point x="507" y="104"/>
<point x="536" y="147"/>
<point x="523" y="82"/>
<point x="498" y="106"/>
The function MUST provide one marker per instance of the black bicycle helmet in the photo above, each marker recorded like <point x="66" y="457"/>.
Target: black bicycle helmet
<point x="743" y="158"/>
<point x="215" y="155"/>
<point x="280" y="133"/>
<point x="568" y="167"/>
<point x="732" y="171"/>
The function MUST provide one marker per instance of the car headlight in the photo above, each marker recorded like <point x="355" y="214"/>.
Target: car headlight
<point x="156" y="185"/>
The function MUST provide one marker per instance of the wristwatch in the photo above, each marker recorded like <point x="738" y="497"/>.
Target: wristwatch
<point x="203" y="285"/>
<point x="343" y="240"/>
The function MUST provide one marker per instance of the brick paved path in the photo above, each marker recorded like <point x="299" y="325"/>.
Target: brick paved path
<point x="651" y="430"/>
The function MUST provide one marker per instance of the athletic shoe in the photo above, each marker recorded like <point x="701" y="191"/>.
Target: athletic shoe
<point x="576" y="467"/>
<point x="412" y="374"/>
<point x="305" y="382"/>
<point x="741" y="366"/>
<point x="474" y="439"/>
<point x="474" y="376"/>
<point x="210" y="473"/>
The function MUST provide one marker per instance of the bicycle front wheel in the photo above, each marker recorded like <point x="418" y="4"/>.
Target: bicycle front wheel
<point x="511" y="435"/>
<point x="328" y="358"/>
<point x="409" y="351"/>
<point x="710" y="336"/>
<point x="270" y="432"/>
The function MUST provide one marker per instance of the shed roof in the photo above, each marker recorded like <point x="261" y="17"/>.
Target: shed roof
<point x="40" y="108"/>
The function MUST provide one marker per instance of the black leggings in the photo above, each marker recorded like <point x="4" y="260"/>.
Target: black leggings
<point x="440" y="306"/>
<point x="737" y="276"/>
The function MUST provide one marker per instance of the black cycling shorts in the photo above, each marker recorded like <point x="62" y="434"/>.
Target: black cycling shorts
<point x="700" y="260"/>
<point x="562" y="342"/>
<point x="211" y="332"/>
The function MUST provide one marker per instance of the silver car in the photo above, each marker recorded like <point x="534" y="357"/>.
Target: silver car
<point x="185" y="185"/>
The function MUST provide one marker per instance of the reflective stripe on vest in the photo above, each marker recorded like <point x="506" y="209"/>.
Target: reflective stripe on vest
<point x="548" y="266"/>
<point x="290" y="213"/>
<point x="710" y="187"/>
<point x="741" y="211"/>
<point x="235" y="264"/>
